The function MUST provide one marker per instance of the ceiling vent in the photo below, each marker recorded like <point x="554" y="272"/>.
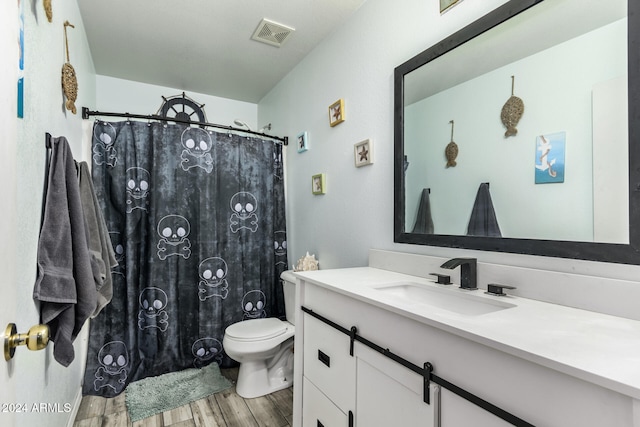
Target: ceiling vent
<point x="272" y="33"/>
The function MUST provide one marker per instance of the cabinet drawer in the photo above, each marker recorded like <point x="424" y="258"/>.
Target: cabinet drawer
<point x="318" y="410"/>
<point x="327" y="362"/>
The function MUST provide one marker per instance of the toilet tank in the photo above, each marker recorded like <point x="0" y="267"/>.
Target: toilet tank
<point x="289" y="289"/>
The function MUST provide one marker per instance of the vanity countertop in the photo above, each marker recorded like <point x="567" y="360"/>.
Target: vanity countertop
<point x="598" y="348"/>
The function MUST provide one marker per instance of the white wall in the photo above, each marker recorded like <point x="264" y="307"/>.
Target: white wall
<point x="125" y="96"/>
<point x="35" y="377"/>
<point x="356" y="63"/>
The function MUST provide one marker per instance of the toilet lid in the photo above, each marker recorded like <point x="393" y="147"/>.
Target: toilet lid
<point x="256" y="329"/>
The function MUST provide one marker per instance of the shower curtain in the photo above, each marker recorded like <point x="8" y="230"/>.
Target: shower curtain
<point x="197" y="221"/>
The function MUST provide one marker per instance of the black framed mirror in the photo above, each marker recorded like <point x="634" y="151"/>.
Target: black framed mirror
<point x="593" y="213"/>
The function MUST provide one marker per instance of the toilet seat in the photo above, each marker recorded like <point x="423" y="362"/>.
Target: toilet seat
<point x="256" y="329"/>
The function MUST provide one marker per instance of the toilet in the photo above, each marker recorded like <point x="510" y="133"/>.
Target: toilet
<point x="264" y="348"/>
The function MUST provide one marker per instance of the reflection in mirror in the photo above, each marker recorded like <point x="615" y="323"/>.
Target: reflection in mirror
<point x="540" y="147"/>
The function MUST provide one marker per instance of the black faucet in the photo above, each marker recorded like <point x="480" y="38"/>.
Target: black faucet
<point x="468" y="271"/>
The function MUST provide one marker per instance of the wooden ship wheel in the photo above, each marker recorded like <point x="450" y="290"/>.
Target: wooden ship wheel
<point x="182" y="108"/>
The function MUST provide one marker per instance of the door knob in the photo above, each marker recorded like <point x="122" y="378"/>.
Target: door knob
<point x="36" y="339"/>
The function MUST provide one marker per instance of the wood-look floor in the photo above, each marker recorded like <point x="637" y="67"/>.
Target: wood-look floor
<point x="223" y="409"/>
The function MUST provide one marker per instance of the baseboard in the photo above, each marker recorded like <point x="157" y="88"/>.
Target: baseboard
<point x="76" y="406"/>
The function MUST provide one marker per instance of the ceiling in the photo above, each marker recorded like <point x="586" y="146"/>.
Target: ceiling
<point x="205" y="46"/>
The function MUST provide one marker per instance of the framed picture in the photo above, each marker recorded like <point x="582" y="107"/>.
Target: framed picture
<point x="20" y="93"/>
<point x="550" y="158"/>
<point x="363" y="153"/>
<point x="318" y="184"/>
<point x="447" y="4"/>
<point x="303" y="142"/>
<point x="336" y="112"/>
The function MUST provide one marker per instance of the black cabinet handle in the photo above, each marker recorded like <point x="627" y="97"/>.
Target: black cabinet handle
<point x="324" y="358"/>
<point x="350" y="419"/>
<point x="320" y="424"/>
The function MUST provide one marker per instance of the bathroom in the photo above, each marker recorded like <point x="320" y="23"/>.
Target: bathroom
<point x="354" y="63"/>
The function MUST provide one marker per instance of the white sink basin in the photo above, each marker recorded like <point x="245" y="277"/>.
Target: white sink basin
<point x="454" y="300"/>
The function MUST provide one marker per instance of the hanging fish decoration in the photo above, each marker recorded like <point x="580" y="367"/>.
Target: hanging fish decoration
<point x="451" y="151"/>
<point x="47" y="9"/>
<point x="69" y="79"/>
<point x="512" y="111"/>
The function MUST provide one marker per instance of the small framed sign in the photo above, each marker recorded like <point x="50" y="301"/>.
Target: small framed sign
<point x="303" y="142"/>
<point x="447" y="4"/>
<point x="363" y="152"/>
<point x="336" y="112"/>
<point x="550" y="158"/>
<point x="318" y="184"/>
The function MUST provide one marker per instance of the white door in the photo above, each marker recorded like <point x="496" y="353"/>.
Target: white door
<point x="8" y="209"/>
<point x="8" y="218"/>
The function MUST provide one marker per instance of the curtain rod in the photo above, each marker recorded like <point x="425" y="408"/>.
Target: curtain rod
<point x="86" y="113"/>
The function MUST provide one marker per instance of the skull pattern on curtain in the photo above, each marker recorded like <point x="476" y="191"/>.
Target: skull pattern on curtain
<point x="197" y="221"/>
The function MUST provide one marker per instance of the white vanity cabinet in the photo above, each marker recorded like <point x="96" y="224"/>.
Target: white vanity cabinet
<point x="364" y="389"/>
<point x="380" y="392"/>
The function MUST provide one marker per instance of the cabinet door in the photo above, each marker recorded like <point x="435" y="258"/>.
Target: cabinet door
<point x="318" y="410"/>
<point x="457" y="411"/>
<point x="388" y="394"/>
<point x="327" y="362"/>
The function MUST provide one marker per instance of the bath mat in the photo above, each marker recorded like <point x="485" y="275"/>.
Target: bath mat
<point x="153" y="395"/>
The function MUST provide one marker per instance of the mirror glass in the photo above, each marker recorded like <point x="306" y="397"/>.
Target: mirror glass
<point x="512" y="134"/>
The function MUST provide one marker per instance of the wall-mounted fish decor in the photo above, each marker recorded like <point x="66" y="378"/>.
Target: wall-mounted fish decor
<point x="47" y="9"/>
<point x="512" y="111"/>
<point x="69" y="80"/>
<point x="451" y="151"/>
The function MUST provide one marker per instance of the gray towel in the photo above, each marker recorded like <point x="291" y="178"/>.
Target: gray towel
<point x="424" y="222"/>
<point x="483" y="221"/>
<point x="64" y="286"/>
<point x="102" y="254"/>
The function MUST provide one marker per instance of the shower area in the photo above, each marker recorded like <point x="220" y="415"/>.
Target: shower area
<point x="196" y="216"/>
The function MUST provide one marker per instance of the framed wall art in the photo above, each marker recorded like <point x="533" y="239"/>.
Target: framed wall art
<point x="318" y="184"/>
<point x="550" y="158"/>
<point x="303" y="142"/>
<point x="336" y="112"/>
<point x="447" y="4"/>
<point x="20" y="93"/>
<point x="363" y="153"/>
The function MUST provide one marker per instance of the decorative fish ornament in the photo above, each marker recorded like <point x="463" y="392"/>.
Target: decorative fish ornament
<point x="69" y="79"/>
<point x="451" y="151"/>
<point x="70" y="86"/>
<point x="511" y="113"/>
<point x="47" y="9"/>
